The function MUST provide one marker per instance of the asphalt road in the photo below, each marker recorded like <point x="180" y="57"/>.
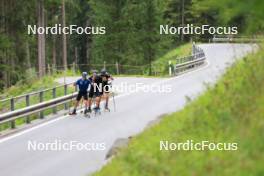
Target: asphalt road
<point x="134" y="112"/>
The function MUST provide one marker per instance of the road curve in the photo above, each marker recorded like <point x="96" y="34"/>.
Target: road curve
<point x="134" y="112"/>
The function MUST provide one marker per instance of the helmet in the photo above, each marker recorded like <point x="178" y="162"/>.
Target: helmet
<point x="84" y="74"/>
<point x="94" y="72"/>
<point x="103" y="72"/>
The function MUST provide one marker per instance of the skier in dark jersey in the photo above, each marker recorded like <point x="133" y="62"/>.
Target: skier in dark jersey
<point x="106" y="83"/>
<point x="95" y="91"/>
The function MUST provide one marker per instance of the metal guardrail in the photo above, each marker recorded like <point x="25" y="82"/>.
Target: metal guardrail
<point x="190" y="62"/>
<point x="26" y="97"/>
<point x="14" y="114"/>
<point x="234" y="39"/>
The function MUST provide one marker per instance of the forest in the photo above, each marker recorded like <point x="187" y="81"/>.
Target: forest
<point x="132" y="32"/>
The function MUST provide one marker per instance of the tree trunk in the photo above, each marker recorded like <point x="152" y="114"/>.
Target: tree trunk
<point x="41" y="40"/>
<point x="28" y="55"/>
<point x="64" y="42"/>
<point x="182" y="19"/>
<point x="28" y="63"/>
<point x="54" y="53"/>
<point x="88" y="46"/>
<point x="76" y="55"/>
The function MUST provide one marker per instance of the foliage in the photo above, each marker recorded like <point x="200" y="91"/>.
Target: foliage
<point x="132" y="36"/>
<point x="246" y="15"/>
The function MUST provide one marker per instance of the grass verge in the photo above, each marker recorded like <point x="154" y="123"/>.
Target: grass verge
<point x="28" y="86"/>
<point x="161" y="65"/>
<point x="230" y="111"/>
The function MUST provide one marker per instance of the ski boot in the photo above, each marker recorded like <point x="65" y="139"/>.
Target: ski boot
<point x="73" y="112"/>
<point x="106" y="109"/>
<point x="96" y="110"/>
<point x="86" y="113"/>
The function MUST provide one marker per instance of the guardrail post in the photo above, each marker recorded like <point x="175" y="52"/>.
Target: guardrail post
<point x="27" y="104"/>
<point x="41" y="115"/>
<point x="175" y="70"/>
<point x="54" y="96"/>
<point x="193" y="48"/>
<point x="12" y="104"/>
<point x="65" y="93"/>
<point x="12" y="108"/>
<point x="170" y="69"/>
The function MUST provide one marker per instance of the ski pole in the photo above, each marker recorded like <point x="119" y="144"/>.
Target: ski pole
<point x="114" y="102"/>
<point x="71" y="102"/>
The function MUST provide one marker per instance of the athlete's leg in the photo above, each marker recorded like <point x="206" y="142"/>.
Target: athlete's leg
<point x="98" y="100"/>
<point x="90" y="98"/>
<point x="76" y="104"/>
<point x="106" y="95"/>
<point x="79" y="96"/>
<point x="85" y="97"/>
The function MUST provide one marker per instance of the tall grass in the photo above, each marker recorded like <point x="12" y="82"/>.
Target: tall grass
<point x="230" y="111"/>
<point x="161" y="65"/>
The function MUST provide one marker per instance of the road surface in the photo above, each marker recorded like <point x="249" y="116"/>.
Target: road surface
<point x="134" y="112"/>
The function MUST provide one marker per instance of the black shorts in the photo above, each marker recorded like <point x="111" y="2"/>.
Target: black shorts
<point x="94" y="93"/>
<point x="106" y="87"/>
<point x="82" y="94"/>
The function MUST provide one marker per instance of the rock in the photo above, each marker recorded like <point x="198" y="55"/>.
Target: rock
<point x="154" y="122"/>
<point x="118" y="144"/>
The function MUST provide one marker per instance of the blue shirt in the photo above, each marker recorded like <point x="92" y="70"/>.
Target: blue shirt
<point x="83" y="84"/>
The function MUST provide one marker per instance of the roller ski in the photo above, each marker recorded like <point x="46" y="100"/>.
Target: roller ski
<point x="73" y="113"/>
<point x="97" y="111"/>
<point x="106" y="109"/>
<point x="87" y="113"/>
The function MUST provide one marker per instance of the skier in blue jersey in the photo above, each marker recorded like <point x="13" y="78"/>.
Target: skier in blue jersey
<point x="83" y="86"/>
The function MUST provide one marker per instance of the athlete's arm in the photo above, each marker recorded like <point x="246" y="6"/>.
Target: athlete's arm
<point x="110" y="77"/>
<point x="89" y="83"/>
<point x="76" y="83"/>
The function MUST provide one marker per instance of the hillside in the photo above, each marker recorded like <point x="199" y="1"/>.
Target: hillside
<point x="230" y="111"/>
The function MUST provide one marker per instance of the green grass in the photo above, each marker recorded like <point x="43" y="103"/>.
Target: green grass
<point x="35" y="84"/>
<point x="161" y="65"/>
<point x="29" y="86"/>
<point x="230" y="111"/>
